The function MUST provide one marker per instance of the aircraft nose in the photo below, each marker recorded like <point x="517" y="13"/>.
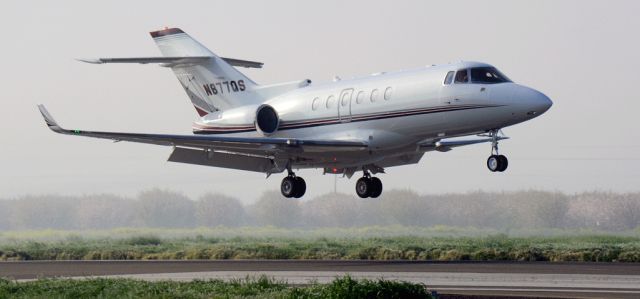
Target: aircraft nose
<point x="537" y="102"/>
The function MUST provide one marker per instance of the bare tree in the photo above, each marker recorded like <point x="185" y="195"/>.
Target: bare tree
<point x="402" y="207"/>
<point x="332" y="209"/>
<point x="218" y="209"/>
<point x="273" y="209"/>
<point x="161" y="208"/>
<point x="548" y="209"/>
<point x="43" y="212"/>
<point x="104" y="211"/>
<point x="5" y="212"/>
<point x="625" y="211"/>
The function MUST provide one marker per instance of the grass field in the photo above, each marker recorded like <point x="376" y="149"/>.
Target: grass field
<point x="400" y="243"/>
<point x="343" y="287"/>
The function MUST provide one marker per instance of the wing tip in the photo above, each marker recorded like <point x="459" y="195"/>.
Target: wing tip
<point x="48" y="119"/>
<point x="90" y="60"/>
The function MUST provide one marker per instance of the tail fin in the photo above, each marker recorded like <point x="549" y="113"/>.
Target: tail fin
<point x="211" y="84"/>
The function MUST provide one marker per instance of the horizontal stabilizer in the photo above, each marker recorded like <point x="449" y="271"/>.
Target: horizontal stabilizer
<point x="170" y="61"/>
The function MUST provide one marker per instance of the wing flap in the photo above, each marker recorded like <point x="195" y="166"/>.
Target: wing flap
<point x="226" y="160"/>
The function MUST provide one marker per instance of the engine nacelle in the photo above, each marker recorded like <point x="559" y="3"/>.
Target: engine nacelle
<point x="267" y="120"/>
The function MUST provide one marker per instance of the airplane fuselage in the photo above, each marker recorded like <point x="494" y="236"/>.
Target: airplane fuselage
<point x="392" y="111"/>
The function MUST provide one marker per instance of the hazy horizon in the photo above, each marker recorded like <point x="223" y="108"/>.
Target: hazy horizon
<point x="582" y="54"/>
<point x="532" y="211"/>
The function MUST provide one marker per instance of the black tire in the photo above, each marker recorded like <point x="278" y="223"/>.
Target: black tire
<point x="503" y="162"/>
<point x="493" y="163"/>
<point x="363" y="187"/>
<point x="376" y="187"/>
<point x="288" y="187"/>
<point x="300" y="187"/>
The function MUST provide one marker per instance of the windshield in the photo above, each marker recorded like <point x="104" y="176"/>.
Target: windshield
<point x="488" y="75"/>
<point x="462" y="76"/>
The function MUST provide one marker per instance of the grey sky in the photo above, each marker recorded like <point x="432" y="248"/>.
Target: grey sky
<point x="582" y="54"/>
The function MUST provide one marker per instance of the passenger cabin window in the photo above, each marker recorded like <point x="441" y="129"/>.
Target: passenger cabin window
<point x="360" y="97"/>
<point x="374" y="95"/>
<point x="387" y="93"/>
<point x="330" y="101"/>
<point x="462" y="76"/>
<point x="487" y="75"/>
<point x="449" y="78"/>
<point x="315" y="104"/>
<point x="345" y="99"/>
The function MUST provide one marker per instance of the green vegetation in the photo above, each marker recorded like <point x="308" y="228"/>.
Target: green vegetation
<point x="399" y="243"/>
<point x="160" y="224"/>
<point x="344" y="287"/>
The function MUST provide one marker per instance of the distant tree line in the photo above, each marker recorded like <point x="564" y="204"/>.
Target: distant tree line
<point x="162" y="208"/>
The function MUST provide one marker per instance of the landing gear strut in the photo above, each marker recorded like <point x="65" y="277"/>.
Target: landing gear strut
<point x="368" y="186"/>
<point x="293" y="186"/>
<point x="496" y="162"/>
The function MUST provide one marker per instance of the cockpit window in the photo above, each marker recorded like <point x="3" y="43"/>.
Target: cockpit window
<point x="449" y="78"/>
<point x="462" y="76"/>
<point x="488" y="75"/>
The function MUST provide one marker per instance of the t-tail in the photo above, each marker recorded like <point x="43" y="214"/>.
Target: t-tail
<point x="211" y="82"/>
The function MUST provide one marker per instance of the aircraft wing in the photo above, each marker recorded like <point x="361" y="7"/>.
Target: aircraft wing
<point x="169" y="61"/>
<point x="230" y="145"/>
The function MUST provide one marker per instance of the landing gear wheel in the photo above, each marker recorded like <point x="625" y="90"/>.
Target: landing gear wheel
<point x="363" y="187"/>
<point x="493" y="163"/>
<point x="293" y="186"/>
<point x="497" y="163"/>
<point x="300" y="187"/>
<point x="376" y="187"/>
<point x="503" y="163"/>
<point x="288" y="187"/>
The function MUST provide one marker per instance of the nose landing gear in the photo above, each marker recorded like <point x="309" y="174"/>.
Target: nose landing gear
<point x="368" y="186"/>
<point x="496" y="162"/>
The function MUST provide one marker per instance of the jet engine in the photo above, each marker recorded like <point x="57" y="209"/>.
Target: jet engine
<point x="267" y="120"/>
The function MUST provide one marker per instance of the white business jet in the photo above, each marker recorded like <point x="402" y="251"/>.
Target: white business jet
<point x="365" y="124"/>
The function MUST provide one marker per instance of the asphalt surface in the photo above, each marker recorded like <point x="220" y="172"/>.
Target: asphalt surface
<point x="516" y="279"/>
<point x="36" y="269"/>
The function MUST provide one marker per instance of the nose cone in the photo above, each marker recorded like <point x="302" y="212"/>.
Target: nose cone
<point x="536" y="102"/>
<point x="543" y="102"/>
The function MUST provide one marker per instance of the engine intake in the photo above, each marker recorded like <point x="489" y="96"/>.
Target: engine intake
<point x="267" y="120"/>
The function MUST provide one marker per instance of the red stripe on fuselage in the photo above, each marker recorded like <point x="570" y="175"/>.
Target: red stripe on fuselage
<point x="204" y="129"/>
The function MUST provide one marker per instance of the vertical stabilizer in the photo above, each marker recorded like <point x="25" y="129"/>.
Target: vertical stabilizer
<point x="211" y="84"/>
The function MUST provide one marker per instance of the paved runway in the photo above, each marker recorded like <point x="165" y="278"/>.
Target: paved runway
<point x="569" y="280"/>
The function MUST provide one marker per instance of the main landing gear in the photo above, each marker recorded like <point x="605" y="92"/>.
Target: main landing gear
<point x="496" y="162"/>
<point x="368" y="186"/>
<point x="293" y="186"/>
